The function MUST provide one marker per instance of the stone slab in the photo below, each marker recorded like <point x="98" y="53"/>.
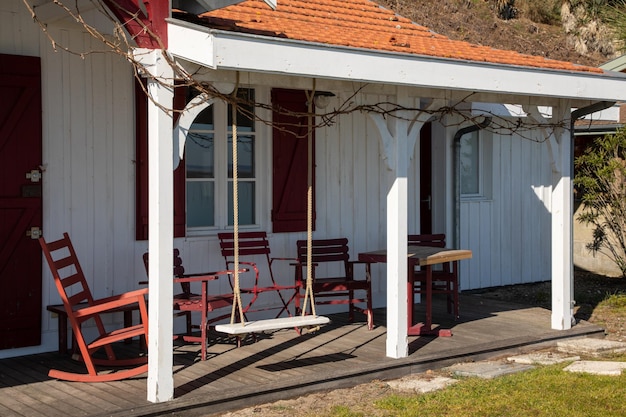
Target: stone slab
<point x="487" y="369"/>
<point x="591" y="346"/>
<point x="597" y="367"/>
<point x="543" y="358"/>
<point x="421" y="384"/>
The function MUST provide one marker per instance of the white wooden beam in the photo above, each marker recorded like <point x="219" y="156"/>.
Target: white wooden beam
<point x="410" y="129"/>
<point x="562" y="219"/>
<point x="397" y="230"/>
<point x="160" y="229"/>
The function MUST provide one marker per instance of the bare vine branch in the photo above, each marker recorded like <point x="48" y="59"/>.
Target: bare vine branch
<point x="120" y="43"/>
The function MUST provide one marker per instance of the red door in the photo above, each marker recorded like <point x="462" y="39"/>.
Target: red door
<point x="20" y="201"/>
<point x="426" y="206"/>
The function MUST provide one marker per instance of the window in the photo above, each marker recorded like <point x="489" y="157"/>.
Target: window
<point x="209" y="166"/>
<point x="470" y="163"/>
<point x="203" y="200"/>
<point x="475" y="164"/>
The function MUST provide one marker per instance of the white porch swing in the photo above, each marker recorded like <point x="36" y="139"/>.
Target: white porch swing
<point x="303" y="321"/>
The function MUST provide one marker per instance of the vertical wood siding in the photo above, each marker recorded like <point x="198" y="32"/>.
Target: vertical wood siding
<point x="510" y="232"/>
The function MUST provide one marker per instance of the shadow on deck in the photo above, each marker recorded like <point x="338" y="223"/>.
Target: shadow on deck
<point x="282" y="364"/>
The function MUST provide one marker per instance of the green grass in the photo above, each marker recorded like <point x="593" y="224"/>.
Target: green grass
<point x="616" y="302"/>
<point x="545" y="391"/>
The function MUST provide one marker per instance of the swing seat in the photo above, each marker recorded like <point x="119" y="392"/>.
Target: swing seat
<point x="272" y="324"/>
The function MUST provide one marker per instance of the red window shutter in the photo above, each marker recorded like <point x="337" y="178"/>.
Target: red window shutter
<point x="290" y="161"/>
<point x="141" y="166"/>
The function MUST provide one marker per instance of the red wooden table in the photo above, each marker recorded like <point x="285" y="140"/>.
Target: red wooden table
<point x="424" y="256"/>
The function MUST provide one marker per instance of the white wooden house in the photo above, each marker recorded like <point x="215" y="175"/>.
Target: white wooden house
<point x="512" y="206"/>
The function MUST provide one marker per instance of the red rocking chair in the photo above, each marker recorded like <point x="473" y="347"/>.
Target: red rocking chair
<point x="81" y="306"/>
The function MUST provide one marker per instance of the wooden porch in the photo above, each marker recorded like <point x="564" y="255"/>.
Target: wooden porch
<point x="281" y="364"/>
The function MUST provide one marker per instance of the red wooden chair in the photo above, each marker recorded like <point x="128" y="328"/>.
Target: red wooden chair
<point x="338" y="289"/>
<point x="256" y="244"/>
<point x="445" y="281"/>
<point x="204" y="303"/>
<point x="81" y="306"/>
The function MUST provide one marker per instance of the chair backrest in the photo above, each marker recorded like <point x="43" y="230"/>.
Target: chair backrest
<point x="325" y="250"/>
<point x="250" y="243"/>
<point x="437" y="240"/>
<point x="68" y="277"/>
<point x="179" y="269"/>
<point x="66" y="271"/>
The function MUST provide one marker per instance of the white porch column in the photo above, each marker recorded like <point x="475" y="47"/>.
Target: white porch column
<point x="562" y="218"/>
<point x="397" y="230"/>
<point x="398" y="143"/>
<point x="161" y="232"/>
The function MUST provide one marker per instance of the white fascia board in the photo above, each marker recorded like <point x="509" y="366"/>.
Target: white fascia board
<point x="191" y="44"/>
<point x="246" y="52"/>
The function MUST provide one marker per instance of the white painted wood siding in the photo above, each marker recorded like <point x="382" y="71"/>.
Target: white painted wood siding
<point x="509" y="233"/>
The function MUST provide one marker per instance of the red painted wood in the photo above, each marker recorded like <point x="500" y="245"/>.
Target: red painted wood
<point x="343" y="288"/>
<point x="254" y="245"/>
<point x="20" y="201"/>
<point x="290" y="161"/>
<point x="426" y="192"/>
<point x="81" y="306"/>
<point x="135" y="21"/>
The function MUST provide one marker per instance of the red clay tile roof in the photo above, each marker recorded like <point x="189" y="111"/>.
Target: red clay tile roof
<point x="362" y="24"/>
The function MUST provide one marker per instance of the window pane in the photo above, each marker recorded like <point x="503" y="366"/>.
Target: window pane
<point x="245" y="113"/>
<point x="204" y="121"/>
<point x="200" y="204"/>
<point x="200" y="155"/>
<point x="245" y="156"/>
<point x="246" y="202"/>
<point x="470" y="180"/>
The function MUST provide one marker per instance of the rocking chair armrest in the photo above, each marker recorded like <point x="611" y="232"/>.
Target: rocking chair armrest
<point x="110" y="303"/>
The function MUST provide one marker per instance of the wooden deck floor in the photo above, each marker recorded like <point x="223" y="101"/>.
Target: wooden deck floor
<point x="281" y="364"/>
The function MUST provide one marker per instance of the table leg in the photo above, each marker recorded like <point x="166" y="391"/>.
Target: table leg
<point x="425" y="328"/>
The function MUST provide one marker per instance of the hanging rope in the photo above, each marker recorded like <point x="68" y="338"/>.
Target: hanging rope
<point x="237" y="305"/>
<point x="308" y="295"/>
<point x="304" y="321"/>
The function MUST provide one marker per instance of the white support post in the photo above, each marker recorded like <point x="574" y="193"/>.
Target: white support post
<point x="161" y="231"/>
<point x="562" y="219"/>
<point x="397" y="217"/>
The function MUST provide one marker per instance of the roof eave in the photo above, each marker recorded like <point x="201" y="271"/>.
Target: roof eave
<point x="228" y="50"/>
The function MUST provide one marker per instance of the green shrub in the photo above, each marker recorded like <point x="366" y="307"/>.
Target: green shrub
<point x="601" y="178"/>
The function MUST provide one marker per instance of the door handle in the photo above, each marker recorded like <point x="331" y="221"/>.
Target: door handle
<point x="429" y="200"/>
<point x="34" y="232"/>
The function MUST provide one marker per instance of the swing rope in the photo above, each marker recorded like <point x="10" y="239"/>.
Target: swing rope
<point x="237" y="305"/>
<point x="308" y="297"/>
<point x="308" y="294"/>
